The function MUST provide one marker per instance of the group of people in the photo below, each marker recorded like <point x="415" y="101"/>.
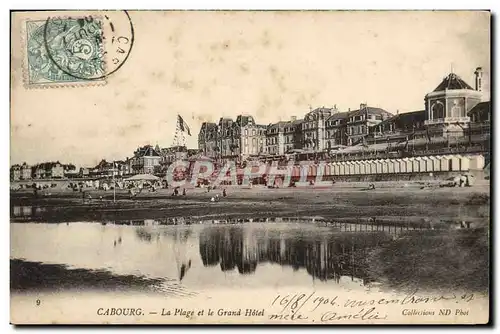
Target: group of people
<point x="184" y="193"/>
<point x="176" y="191"/>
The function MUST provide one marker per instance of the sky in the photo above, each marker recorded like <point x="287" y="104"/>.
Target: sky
<point x="272" y="65"/>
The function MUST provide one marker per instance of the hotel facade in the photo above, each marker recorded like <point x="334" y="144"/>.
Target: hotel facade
<point x="453" y="114"/>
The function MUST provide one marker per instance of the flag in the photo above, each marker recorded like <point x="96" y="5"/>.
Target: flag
<point x="183" y="125"/>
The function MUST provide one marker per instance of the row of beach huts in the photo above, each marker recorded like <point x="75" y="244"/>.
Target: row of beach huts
<point x="423" y="164"/>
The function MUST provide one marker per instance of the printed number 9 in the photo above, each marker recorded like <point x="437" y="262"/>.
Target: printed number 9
<point x="38" y="302"/>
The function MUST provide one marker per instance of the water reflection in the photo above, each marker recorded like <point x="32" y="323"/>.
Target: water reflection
<point x="294" y="253"/>
<point x="26" y="211"/>
<point x="325" y="257"/>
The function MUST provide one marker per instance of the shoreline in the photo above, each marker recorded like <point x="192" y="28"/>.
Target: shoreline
<point x="411" y="203"/>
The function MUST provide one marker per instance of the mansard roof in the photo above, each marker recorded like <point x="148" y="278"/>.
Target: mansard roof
<point x="339" y="115"/>
<point x="147" y="150"/>
<point x="369" y="110"/>
<point x="208" y="126"/>
<point x="244" y="120"/>
<point x="404" y="119"/>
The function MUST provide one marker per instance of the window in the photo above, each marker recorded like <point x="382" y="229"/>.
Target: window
<point x="437" y="110"/>
<point x="253" y="132"/>
<point x="246" y="132"/>
<point x="456" y="109"/>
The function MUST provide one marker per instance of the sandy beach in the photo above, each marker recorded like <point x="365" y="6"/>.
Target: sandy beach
<point x="411" y="201"/>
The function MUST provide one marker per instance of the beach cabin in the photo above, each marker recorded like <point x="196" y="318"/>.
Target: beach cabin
<point x="397" y="165"/>
<point x="296" y="172"/>
<point x="378" y="166"/>
<point x="355" y="167"/>
<point x="313" y="171"/>
<point x="444" y="162"/>
<point x="304" y="172"/>
<point x="454" y="163"/>
<point x="362" y="167"/>
<point x="390" y="165"/>
<point x="334" y="168"/>
<point x="385" y="166"/>
<point x="436" y="166"/>
<point x="476" y="162"/>
<point x="352" y="165"/>
<point x="346" y="167"/>
<point x="373" y="166"/>
<point x="409" y="165"/>
<point x="329" y="169"/>
<point x="423" y="164"/>
<point x="416" y="164"/>
<point x="340" y="168"/>
<point x="464" y="163"/>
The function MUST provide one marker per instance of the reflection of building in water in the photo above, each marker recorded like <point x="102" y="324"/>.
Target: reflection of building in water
<point x="249" y="252"/>
<point x="327" y="257"/>
<point x="227" y="256"/>
<point x="25" y="211"/>
<point x="209" y="248"/>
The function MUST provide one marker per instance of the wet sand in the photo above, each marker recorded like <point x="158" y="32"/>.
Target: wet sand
<point x="27" y="276"/>
<point x="338" y="202"/>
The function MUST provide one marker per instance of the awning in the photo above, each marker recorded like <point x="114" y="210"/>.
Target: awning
<point x="143" y="177"/>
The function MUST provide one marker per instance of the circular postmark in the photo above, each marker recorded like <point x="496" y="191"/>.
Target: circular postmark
<point x="91" y="47"/>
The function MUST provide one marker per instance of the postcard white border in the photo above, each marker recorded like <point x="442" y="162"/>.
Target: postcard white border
<point x="196" y="4"/>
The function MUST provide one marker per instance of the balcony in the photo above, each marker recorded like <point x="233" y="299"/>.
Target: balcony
<point x="448" y="120"/>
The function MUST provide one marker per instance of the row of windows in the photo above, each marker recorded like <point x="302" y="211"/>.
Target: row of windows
<point x="255" y="141"/>
<point x="274" y="140"/>
<point x="308" y="126"/>
<point x="357" y="130"/>
<point x="438" y="111"/>
<point x="337" y="122"/>
<point x="229" y="132"/>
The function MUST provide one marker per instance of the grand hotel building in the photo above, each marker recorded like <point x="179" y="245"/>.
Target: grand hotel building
<point x="454" y="117"/>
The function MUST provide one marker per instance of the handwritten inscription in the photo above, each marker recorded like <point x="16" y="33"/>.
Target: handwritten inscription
<point x="312" y="307"/>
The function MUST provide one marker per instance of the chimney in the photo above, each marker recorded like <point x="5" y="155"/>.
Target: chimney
<point x="349" y="109"/>
<point x="293" y="118"/>
<point x="479" y="75"/>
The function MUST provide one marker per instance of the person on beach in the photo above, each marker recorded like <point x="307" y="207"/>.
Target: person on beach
<point x="184" y="192"/>
<point x="224" y="194"/>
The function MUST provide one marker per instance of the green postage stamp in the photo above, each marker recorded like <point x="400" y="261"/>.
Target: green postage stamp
<point x="64" y="51"/>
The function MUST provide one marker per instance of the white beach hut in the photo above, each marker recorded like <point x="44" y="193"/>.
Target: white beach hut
<point x="476" y="162"/>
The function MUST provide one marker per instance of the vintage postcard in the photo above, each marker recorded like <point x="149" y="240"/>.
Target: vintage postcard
<point x="250" y="167"/>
